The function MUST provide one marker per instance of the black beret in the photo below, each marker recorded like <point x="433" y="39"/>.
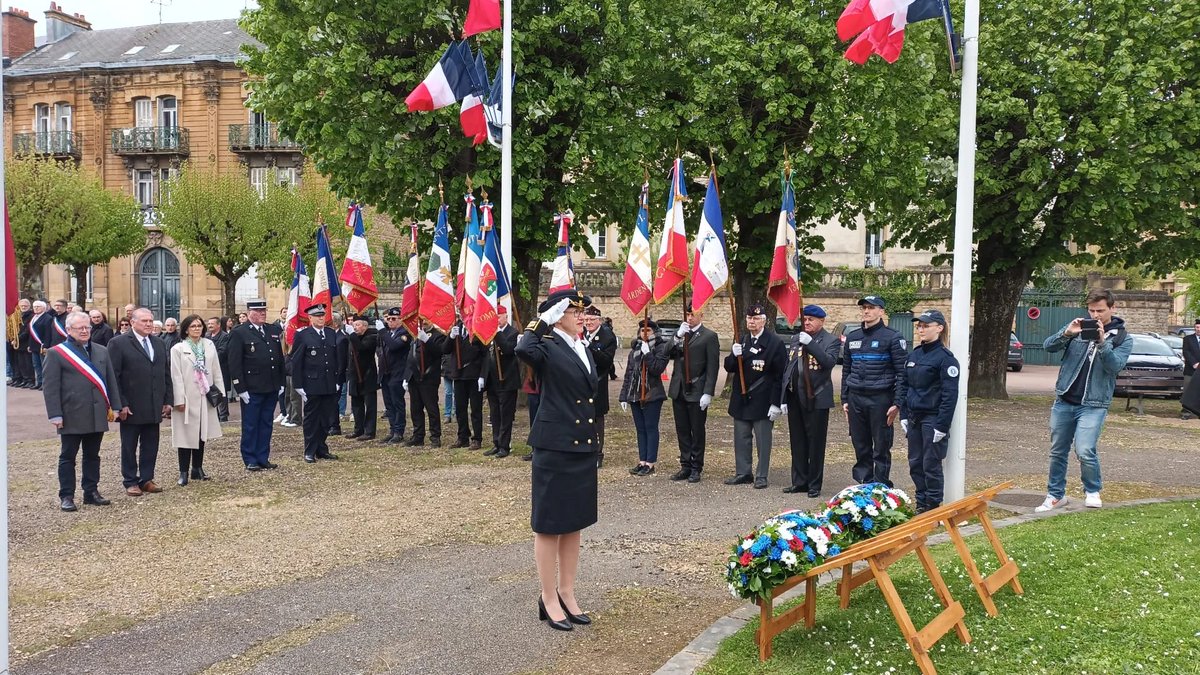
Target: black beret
<point x="756" y="309"/>
<point x="576" y="296"/>
<point x="395" y="311"/>
<point x="647" y="323"/>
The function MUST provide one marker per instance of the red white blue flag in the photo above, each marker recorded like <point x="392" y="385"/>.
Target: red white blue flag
<point x="783" y="284"/>
<point x="485" y="320"/>
<point x="639" y="276"/>
<point x="879" y="25"/>
<point x="710" y="270"/>
<point x="299" y="298"/>
<point x="325" y="282"/>
<point x="482" y="16"/>
<point x="449" y="81"/>
<point x="563" y="274"/>
<point x="410" y="297"/>
<point x="672" y="268"/>
<point x="358" y="276"/>
<point x="437" y="296"/>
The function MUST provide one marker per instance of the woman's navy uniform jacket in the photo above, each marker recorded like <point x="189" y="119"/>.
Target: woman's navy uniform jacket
<point x="932" y="374"/>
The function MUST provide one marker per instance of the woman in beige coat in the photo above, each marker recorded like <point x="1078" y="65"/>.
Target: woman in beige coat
<point x="194" y="368"/>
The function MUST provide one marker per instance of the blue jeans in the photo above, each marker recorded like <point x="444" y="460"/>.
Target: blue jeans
<point x="342" y="401"/>
<point x="449" y="389"/>
<point x="37" y="366"/>
<point x="1081" y="424"/>
<point x="645" y="420"/>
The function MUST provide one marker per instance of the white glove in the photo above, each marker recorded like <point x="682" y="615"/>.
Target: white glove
<point x="245" y="397"/>
<point x="406" y="386"/>
<point x="705" y="401"/>
<point x="773" y="413"/>
<point x="803" y="337"/>
<point x="624" y="406"/>
<point x="480" y="383"/>
<point x="904" y="427"/>
<point x="281" y="391"/>
<point x="737" y="349"/>
<point x="938" y="436"/>
<point x="338" y="387"/>
<point x="645" y="347"/>
<point x="422" y="335"/>
<point x="455" y="332"/>
<point x="303" y="396"/>
<point x="552" y="315"/>
<point x="684" y="329"/>
<point x="783" y="409"/>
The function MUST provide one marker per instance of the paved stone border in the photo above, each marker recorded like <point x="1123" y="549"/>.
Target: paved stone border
<point x="699" y="651"/>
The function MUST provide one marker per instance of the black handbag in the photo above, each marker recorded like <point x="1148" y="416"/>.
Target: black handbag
<point x="214" y="396"/>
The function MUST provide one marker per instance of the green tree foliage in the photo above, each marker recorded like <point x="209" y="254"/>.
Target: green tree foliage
<point x="64" y="215"/>
<point x="1089" y="132"/>
<point x="221" y="223"/>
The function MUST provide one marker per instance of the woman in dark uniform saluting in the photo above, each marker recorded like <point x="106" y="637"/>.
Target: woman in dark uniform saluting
<point x="563" y="438"/>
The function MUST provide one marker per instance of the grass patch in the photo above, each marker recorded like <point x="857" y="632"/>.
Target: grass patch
<point x="1105" y="592"/>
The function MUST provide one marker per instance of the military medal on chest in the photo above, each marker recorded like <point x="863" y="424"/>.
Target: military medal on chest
<point x="251" y="347"/>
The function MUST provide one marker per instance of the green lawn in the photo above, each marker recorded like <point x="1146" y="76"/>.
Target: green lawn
<point x="1110" y="591"/>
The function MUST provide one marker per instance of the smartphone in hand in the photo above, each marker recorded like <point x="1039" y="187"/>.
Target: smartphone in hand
<point x="1090" y="330"/>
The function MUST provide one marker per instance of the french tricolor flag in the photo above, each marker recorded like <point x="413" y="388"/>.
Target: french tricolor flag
<point x="449" y="81"/>
<point x="879" y="25"/>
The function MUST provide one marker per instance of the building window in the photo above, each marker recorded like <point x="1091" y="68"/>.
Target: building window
<point x="261" y="176"/>
<point x="286" y="177"/>
<point x="143" y="112"/>
<point x="41" y="118"/>
<point x="874" y="249"/>
<point x="598" y="238"/>
<point x="258" y="180"/>
<point x="91" y="276"/>
<point x="168" y="111"/>
<point x="62" y="116"/>
<point x="143" y="188"/>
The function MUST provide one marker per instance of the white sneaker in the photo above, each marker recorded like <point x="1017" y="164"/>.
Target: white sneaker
<point x="286" y="423"/>
<point x="1052" y="503"/>
<point x="1092" y="500"/>
<point x="279" y="419"/>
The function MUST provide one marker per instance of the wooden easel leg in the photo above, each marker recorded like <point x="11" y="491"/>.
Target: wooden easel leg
<point x="844" y="586"/>
<point x="943" y="592"/>
<point x="903" y="620"/>
<point x="990" y="532"/>
<point x="766" y="627"/>
<point x="810" y="602"/>
<point x="968" y="561"/>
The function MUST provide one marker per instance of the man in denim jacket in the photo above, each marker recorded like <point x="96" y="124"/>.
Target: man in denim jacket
<point x="1084" y="389"/>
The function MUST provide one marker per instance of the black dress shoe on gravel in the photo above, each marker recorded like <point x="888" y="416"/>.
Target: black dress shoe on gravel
<point x="527" y="457"/>
<point x="310" y="459"/>
<point x="367" y="437"/>
<point x="491" y="452"/>
<point x="353" y="436"/>
<point x="681" y="474"/>
<point x="814" y="493"/>
<point x="270" y="465"/>
<point x="501" y="454"/>
<point x="68" y="504"/>
<point x="694" y="477"/>
<point x="635" y="470"/>
<point x="253" y="467"/>
<point x="326" y="455"/>
<point x="792" y="489"/>
<point x="760" y="483"/>
<point x="95" y="499"/>
<point x="738" y="480"/>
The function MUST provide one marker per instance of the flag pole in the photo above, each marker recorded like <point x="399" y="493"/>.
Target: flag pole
<point x="964" y="226"/>
<point x="506" y="65"/>
<point x="4" y="414"/>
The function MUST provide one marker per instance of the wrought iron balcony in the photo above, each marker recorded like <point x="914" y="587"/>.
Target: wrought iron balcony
<point x="150" y="140"/>
<point x="259" y="138"/>
<point x="59" y="144"/>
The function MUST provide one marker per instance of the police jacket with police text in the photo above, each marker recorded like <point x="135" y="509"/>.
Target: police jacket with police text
<point x="873" y="362"/>
<point x="931" y="374"/>
<point x="566" y="414"/>
<point x="763" y="362"/>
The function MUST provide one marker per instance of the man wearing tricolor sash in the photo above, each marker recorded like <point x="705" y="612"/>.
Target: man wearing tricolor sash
<point x="80" y="390"/>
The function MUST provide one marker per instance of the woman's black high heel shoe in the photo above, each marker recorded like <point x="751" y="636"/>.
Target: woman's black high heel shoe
<point x="556" y="625"/>
<point x="581" y="619"/>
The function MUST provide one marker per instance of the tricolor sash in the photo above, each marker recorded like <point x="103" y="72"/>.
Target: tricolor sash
<point x="81" y="363"/>
<point x="34" y="334"/>
<point x="59" y="328"/>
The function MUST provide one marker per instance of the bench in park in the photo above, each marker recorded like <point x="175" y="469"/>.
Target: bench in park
<point x="879" y="553"/>
<point x="1143" y="382"/>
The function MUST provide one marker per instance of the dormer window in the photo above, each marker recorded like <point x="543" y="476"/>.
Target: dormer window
<point x="133" y="50"/>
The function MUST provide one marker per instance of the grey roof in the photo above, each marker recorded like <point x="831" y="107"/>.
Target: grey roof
<point x="219" y="40"/>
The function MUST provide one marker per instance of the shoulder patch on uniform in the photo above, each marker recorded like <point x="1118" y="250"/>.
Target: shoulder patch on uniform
<point x="952" y="371"/>
<point x="903" y="344"/>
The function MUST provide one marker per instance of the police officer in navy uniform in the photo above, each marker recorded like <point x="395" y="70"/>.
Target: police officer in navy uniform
<point x="318" y="374"/>
<point x="424" y="380"/>
<point x="501" y="379"/>
<point x="394" y="346"/>
<point x="763" y="359"/>
<point x="256" y="364"/>
<point x="931" y="373"/>
<point x="873" y="389"/>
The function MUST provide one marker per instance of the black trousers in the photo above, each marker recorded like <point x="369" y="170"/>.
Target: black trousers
<point x="689" y="427"/>
<point x="425" y="402"/>
<point x="24" y="369"/>
<point x="91" y="463"/>
<point x="366" y="412"/>
<point x="871" y="436"/>
<point x="808" y="431"/>
<point x="138" y="467"/>
<point x="393" y="397"/>
<point x="320" y="415"/>
<point x="925" y="459"/>
<point x="502" y="409"/>
<point x="466" y="392"/>
<point x="191" y="458"/>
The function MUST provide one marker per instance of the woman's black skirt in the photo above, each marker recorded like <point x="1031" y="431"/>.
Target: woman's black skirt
<point x="564" y="491"/>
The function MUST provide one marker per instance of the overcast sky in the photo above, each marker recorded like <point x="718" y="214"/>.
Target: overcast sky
<point x="118" y="13"/>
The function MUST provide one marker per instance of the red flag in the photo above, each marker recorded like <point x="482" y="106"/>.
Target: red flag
<point x="482" y="16"/>
<point x="410" y="298"/>
<point x="11" y="292"/>
<point x="673" y="261"/>
<point x="639" y="277"/>
<point x="437" y="296"/>
<point x="299" y="299"/>
<point x="783" y="284"/>
<point x="358" y="276"/>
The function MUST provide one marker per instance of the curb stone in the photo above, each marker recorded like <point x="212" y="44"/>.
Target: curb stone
<point x="700" y="650"/>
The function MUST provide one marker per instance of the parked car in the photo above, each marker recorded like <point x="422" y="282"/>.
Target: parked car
<point x="841" y="329"/>
<point x="1175" y="342"/>
<point x="1181" y="330"/>
<point x="1150" y="353"/>
<point x="1016" y="358"/>
<point x="782" y="327"/>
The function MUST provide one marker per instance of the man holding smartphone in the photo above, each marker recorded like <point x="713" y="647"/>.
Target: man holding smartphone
<point x="1095" y="350"/>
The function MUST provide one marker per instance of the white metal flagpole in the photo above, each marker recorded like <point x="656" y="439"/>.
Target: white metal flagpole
<point x="3" y="408"/>
<point x="964" y="228"/>
<point x="506" y="190"/>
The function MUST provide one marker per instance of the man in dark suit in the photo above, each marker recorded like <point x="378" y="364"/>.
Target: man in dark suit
<point x="696" y="353"/>
<point x="58" y="328"/>
<point x="602" y="342"/>
<point x="806" y="398"/>
<point x="466" y="354"/>
<point x="1191" y="361"/>
<point x="424" y="380"/>
<point x="41" y="327"/>
<point x="23" y="367"/>
<point x="317" y="374"/>
<point x="364" y="377"/>
<point x="81" y="394"/>
<point x="501" y="379"/>
<point x="256" y="364"/>
<point x="394" y="346"/>
<point x="757" y="362"/>
<point x="143" y="367"/>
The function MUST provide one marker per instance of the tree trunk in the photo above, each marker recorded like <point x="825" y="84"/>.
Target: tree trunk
<point x="80" y="272"/>
<point x="228" y="288"/>
<point x="526" y="303"/>
<point x="995" y="306"/>
<point x="31" y="281"/>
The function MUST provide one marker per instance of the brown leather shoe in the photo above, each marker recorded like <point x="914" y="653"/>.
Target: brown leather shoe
<point x="133" y="491"/>
<point x="475" y="445"/>
<point x="149" y="486"/>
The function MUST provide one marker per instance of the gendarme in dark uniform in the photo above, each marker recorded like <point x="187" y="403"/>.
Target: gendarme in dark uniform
<point x="256" y="365"/>
<point x="872" y="390"/>
<point x="317" y="374"/>
<point x="394" y="346"/>
<point x="927" y="409"/>
<point x="501" y="380"/>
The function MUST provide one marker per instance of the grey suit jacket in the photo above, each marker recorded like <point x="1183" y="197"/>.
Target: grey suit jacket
<point x="703" y="363"/>
<point x="822" y="355"/>
<point x="73" y="397"/>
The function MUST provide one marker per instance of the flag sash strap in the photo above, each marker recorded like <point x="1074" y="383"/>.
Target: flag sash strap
<point x="59" y="328"/>
<point x="85" y="368"/>
<point x="33" y="333"/>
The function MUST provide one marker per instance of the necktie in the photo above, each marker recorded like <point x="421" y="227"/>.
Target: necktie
<point x="146" y="347"/>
